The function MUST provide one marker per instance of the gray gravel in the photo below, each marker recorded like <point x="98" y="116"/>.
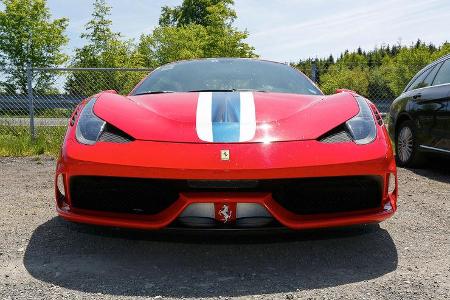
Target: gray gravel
<point x="44" y="257"/>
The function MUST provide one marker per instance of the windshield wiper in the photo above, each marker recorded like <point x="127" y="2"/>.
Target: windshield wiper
<point x="228" y="90"/>
<point x="203" y="90"/>
<point x="153" y="92"/>
<point x="211" y="90"/>
<point x="251" y="90"/>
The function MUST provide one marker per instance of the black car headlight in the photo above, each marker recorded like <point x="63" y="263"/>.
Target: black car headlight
<point x="362" y="126"/>
<point x="89" y="126"/>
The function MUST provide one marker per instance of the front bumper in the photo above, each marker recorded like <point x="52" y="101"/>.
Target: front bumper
<point x="304" y="159"/>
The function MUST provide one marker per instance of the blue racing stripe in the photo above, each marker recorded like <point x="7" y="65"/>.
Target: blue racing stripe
<point x="225" y="116"/>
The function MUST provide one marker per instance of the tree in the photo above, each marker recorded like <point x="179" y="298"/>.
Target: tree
<point x="104" y="49"/>
<point x="28" y="36"/>
<point x="198" y="12"/>
<point x="441" y="51"/>
<point x="341" y="76"/>
<point x="401" y="68"/>
<point x="176" y="43"/>
<point x="98" y="29"/>
<point x="380" y="74"/>
<point x="195" y="29"/>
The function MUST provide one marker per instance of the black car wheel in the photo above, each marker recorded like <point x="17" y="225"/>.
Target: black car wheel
<point x="406" y="146"/>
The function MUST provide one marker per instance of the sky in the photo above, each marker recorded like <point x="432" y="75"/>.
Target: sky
<point x="289" y="30"/>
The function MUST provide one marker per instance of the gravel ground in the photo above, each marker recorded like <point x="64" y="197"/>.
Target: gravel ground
<point x="44" y="257"/>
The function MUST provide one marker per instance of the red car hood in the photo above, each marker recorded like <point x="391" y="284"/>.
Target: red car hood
<point x="177" y="117"/>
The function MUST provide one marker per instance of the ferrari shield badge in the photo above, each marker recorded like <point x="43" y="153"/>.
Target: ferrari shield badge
<point x="225" y="154"/>
<point x="225" y="213"/>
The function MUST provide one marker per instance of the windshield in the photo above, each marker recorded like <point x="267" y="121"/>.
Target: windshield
<point x="227" y="74"/>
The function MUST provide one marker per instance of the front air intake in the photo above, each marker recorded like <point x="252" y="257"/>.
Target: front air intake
<point x="112" y="134"/>
<point x="339" y="134"/>
<point x="302" y="196"/>
<point x="124" y="195"/>
<point x="329" y="195"/>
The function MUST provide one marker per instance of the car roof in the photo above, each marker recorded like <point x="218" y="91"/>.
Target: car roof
<point x="441" y="59"/>
<point x="437" y="61"/>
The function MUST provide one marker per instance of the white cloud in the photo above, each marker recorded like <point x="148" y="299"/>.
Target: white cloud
<point x="287" y="30"/>
<point x="349" y="24"/>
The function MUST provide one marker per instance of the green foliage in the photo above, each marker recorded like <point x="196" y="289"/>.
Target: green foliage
<point x="201" y="12"/>
<point x="175" y="43"/>
<point x="98" y="29"/>
<point x="321" y="65"/>
<point x="104" y="49"/>
<point x="378" y="88"/>
<point x="27" y="35"/>
<point x="400" y="68"/>
<point x="380" y="74"/>
<point x="192" y="30"/>
<point x="195" y="29"/>
<point x="356" y="79"/>
<point x="16" y="141"/>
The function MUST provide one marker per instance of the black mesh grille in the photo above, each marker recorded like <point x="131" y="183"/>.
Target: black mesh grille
<point x="300" y="196"/>
<point x="329" y="195"/>
<point x="114" y="135"/>
<point x="125" y="195"/>
<point x="338" y="135"/>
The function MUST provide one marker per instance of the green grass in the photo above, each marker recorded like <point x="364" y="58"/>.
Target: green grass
<point x="41" y="113"/>
<point x="16" y="141"/>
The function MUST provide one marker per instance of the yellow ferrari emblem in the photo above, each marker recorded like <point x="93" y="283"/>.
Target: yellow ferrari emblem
<point x="225" y="154"/>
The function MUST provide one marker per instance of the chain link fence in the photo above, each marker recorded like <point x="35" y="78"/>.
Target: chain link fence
<point x="44" y="98"/>
<point x="33" y="101"/>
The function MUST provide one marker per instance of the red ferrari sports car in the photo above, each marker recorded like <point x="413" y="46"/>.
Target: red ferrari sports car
<point x="226" y="143"/>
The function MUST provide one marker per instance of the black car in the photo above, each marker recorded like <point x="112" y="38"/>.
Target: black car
<point x="419" y="119"/>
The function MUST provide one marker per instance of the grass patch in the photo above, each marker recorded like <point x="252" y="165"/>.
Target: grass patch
<point x="16" y="140"/>
<point x="38" y="113"/>
<point x="54" y="113"/>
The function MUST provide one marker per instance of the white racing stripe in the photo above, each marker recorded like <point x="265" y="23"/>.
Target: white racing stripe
<point x="248" y="117"/>
<point x="247" y="122"/>
<point x="203" y="118"/>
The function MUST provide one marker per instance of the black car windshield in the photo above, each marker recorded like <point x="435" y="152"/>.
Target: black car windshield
<point x="227" y="74"/>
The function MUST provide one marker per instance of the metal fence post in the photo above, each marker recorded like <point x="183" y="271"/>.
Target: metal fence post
<point x="314" y="75"/>
<point x="30" y="99"/>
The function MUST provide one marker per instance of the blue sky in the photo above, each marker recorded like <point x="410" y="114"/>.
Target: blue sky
<point x="288" y="30"/>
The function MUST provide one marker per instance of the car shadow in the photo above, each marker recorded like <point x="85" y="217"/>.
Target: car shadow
<point x="205" y="264"/>
<point x="436" y="168"/>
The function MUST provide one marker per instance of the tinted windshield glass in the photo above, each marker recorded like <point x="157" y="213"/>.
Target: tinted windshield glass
<point x="418" y="82"/>
<point x="444" y="74"/>
<point x="227" y="74"/>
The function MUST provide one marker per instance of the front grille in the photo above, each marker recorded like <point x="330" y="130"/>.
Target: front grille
<point x="301" y="196"/>
<point x="124" y="195"/>
<point x="329" y="195"/>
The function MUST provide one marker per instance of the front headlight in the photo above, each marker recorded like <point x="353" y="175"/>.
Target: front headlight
<point x="362" y="126"/>
<point x="89" y="126"/>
